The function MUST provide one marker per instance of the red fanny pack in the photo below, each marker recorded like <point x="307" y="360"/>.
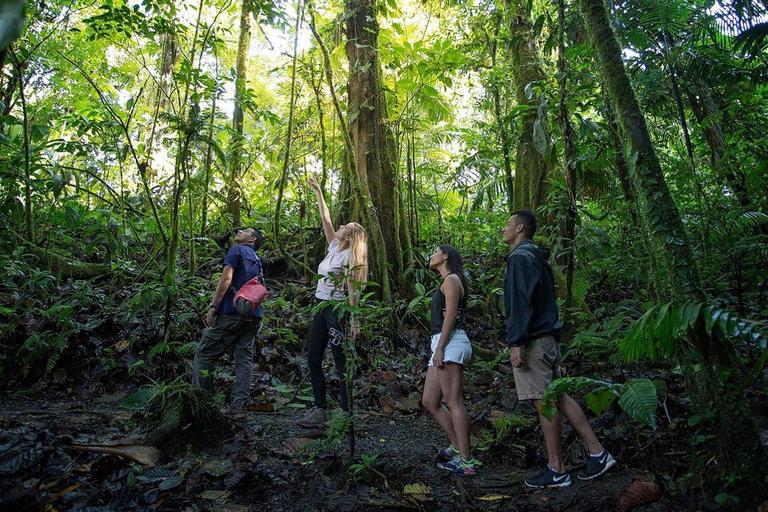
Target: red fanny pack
<point x="249" y="296"/>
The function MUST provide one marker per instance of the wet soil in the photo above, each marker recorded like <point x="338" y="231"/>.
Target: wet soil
<point x="271" y="464"/>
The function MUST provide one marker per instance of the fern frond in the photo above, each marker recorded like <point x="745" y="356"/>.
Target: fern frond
<point x="638" y="399"/>
<point x="662" y="329"/>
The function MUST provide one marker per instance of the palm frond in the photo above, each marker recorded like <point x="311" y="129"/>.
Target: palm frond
<point x="665" y="329"/>
<point x="637" y="397"/>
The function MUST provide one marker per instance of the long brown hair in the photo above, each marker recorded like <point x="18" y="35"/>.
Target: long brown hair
<point x="456" y="266"/>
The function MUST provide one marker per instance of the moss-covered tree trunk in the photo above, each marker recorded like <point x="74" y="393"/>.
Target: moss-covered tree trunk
<point x="531" y="168"/>
<point x="373" y="139"/>
<point x="289" y="130"/>
<point x="494" y="86"/>
<point x="656" y="204"/>
<point x="715" y="387"/>
<point x="570" y="170"/>
<point x="357" y="188"/>
<point x="237" y="143"/>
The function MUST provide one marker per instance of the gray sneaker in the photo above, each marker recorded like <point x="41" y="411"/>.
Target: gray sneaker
<point x="315" y="418"/>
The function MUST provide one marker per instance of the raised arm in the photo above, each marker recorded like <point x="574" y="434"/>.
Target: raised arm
<point x="325" y="215"/>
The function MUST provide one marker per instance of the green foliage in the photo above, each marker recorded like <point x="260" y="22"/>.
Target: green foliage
<point x="637" y="397"/>
<point x="141" y="398"/>
<point x="357" y="470"/>
<point x="667" y="329"/>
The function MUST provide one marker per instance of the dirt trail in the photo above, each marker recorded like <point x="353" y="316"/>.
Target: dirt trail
<point x="271" y="464"/>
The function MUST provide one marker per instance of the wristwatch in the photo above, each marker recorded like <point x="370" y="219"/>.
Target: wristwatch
<point x="212" y="306"/>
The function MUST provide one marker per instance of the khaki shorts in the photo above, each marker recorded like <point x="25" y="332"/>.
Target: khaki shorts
<point x="540" y="367"/>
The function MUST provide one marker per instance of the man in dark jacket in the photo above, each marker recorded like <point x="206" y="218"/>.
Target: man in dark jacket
<point x="228" y="329"/>
<point x="532" y="329"/>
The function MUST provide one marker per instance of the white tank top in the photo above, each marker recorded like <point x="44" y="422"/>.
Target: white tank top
<point x="333" y="265"/>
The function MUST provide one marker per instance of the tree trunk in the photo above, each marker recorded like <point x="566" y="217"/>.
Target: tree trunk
<point x="29" y="223"/>
<point x="531" y="168"/>
<point x="357" y="186"/>
<point x="374" y="142"/>
<point x="502" y="126"/>
<point x="289" y="130"/>
<point x="656" y="205"/>
<point x="317" y="88"/>
<point x="237" y="144"/>
<point x="630" y="196"/>
<point x="570" y="170"/>
<point x="706" y="112"/>
<point x="715" y="388"/>
<point x="207" y="167"/>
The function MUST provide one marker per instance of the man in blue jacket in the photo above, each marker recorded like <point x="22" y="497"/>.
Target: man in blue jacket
<point x="532" y="329"/>
<point x="228" y="329"/>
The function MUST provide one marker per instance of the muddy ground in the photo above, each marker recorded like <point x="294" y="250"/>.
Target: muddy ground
<point x="271" y="464"/>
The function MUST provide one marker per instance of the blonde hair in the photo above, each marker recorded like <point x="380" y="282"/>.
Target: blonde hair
<point x="358" y="252"/>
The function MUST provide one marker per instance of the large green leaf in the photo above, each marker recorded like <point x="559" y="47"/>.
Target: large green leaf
<point x="600" y="399"/>
<point x="539" y="137"/>
<point x="140" y="399"/>
<point x="638" y="399"/>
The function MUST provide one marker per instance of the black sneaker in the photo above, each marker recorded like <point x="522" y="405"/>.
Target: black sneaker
<point x="597" y="466"/>
<point x="549" y="478"/>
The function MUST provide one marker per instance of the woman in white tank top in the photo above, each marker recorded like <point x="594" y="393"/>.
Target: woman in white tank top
<point x="341" y="272"/>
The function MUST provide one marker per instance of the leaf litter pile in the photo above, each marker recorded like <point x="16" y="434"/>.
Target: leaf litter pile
<point x="115" y="442"/>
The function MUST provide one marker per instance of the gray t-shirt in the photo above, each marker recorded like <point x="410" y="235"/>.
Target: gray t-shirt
<point x="334" y="264"/>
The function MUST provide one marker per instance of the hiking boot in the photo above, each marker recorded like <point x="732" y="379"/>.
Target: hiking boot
<point x="549" y="478"/>
<point x="315" y="418"/>
<point x="237" y="411"/>
<point x="597" y="466"/>
<point x="460" y="466"/>
<point x="448" y="453"/>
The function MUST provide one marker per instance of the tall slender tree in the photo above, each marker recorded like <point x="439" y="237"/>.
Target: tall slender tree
<point x="374" y="142"/>
<point x="531" y="167"/>
<point x="715" y="388"/>
<point x="237" y="144"/>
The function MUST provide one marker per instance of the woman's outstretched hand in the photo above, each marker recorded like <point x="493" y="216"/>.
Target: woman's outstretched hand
<point x="313" y="183"/>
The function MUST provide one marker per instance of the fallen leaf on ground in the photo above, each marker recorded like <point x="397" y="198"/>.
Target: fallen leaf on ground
<point x="212" y="495"/>
<point x="141" y="453"/>
<point x="293" y="444"/>
<point x="62" y="493"/>
<point x="418" y="491"/>
<point x="262" y="407"/>
<point x="386" y="377"/>
<point x="387" y="403"/>
<point x="494" y="497"/>
<point x="218" y="467"/>
<point x="409" y="403"/>
<point x="639" y="493"/>
<point x="122" y="346"/>
<point x="496" y="414"/>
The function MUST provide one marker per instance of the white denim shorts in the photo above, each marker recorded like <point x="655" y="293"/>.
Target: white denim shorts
<point x="457" y="350"/>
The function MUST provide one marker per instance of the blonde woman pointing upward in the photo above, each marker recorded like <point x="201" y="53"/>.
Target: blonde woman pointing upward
<point x="345" y="264"/>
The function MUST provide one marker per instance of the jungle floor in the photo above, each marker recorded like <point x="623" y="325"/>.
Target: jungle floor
<point x="70" y="444"/>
